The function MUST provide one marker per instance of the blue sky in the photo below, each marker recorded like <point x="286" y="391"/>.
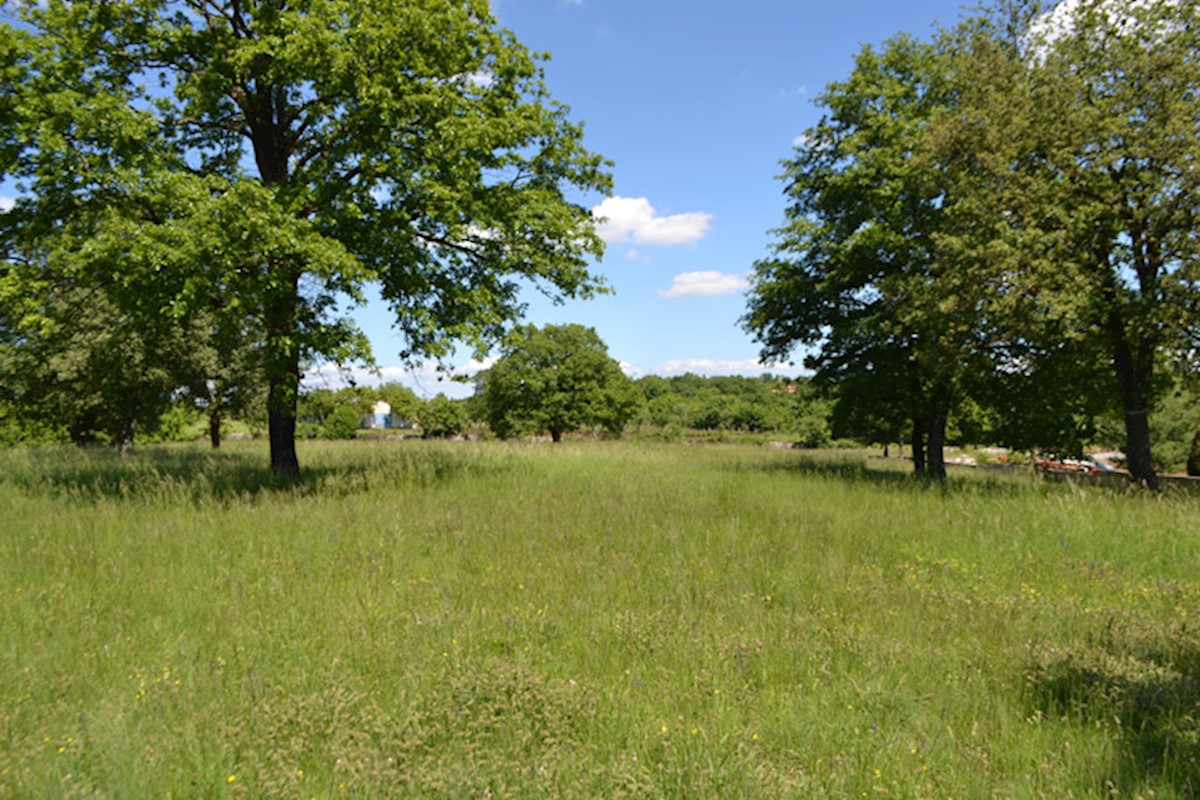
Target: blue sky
<point x="696" y="104"/>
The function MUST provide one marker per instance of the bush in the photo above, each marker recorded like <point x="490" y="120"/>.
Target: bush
<point x="342" y="423"/>
<point x="308" y="430"/>
<point x="441" y="418"/>
<point x="175" y="425"/>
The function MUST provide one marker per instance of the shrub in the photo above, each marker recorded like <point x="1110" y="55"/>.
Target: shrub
<point x="342" y="423"/>
<point x="441" y="418"/>
<point x="308" y="430"/>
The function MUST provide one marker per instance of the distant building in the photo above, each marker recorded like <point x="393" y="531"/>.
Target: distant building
<point x="381" y="418"/>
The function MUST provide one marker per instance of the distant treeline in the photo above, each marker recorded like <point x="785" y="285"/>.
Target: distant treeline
<point x="765" y="407"/>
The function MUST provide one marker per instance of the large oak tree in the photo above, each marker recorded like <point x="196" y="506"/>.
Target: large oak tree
<point x="555" y="379"/>
<point x="857" y="273"/>
<point x="1074" y="147"/>
<point x="317" y="145"/>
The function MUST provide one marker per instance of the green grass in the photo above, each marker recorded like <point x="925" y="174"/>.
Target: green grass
<point x="587" y="620"/>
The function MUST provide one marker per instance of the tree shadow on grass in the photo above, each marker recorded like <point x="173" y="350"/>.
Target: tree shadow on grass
<point x="1142" y="687"/>
<point x="176" y="474"/>
<point x="898" y="474"/>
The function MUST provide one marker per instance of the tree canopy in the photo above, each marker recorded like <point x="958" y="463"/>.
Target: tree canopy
<point x="1005" y="215"/>
<point x="1076" y="144"/>
<point x="857" y="273"/>
<point x="258" y="162"/>
<point x="555" y="379"/>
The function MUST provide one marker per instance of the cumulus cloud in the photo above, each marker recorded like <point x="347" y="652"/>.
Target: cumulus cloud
<point x="1125" y="17"/>
<point x="6" y="204"/>
<point x="707" y="283"/>
<point x="750" y="367"/>
<point x="425" y="378"/>
<point x="335" y="376"/>
<point x="475" y="366"/>
<point x="633" y="219"/>
<point x="632" y="370"/>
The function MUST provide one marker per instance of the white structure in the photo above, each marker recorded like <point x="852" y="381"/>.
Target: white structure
<point x="382" y="416"/>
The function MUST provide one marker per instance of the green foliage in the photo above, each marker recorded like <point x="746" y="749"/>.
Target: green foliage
<point x="176" y="424"/>
<point x="309" y="430"/>
<point x="1065" y="152"/>
<point x="17" y="426"/>
<point x="812" y="430"/>
<point x="409" y="142"/>
<point x="730" y="403"/>
<point x="1193" y="462"/>
<point x="1173" y="427"/>
<point x="315" y="405"/>
<point x="83" y="366"/>
<point x="858" y="274"/>
<point x="343" y="423"/>
<point x="442" y="418"/>
<point x="404" y="401"/>
<point x="997" y="219"/>
<point x="556" y="379"/>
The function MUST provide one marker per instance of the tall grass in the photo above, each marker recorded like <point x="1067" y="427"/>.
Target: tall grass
<point x="587" y="620"/>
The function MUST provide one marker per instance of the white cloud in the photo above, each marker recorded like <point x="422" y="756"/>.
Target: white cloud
<point x="475" y="366"/>
<point x="631" y="370"/>
<point x="751" y="367"/>
<point x="333" y="376"/>
<point x="481" y="79"/>
<point x="807" y="141"/>
<point x="1124" y="16"/>
<point x="6" y="204"/>
<point x="633" y="219"/>
<point x="708" y="283"/>
<point x="425" y="378"/>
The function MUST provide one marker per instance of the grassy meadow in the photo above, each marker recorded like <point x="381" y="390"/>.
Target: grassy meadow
<point x="587" y="620"/>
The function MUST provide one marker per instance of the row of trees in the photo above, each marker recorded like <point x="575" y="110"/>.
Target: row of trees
<point x="205" y="184"/>
<point x="1000" y="223"/>
<point x="560" y="379"/>
<point x="1006" y="218"/>
<point x="437" y="416"/>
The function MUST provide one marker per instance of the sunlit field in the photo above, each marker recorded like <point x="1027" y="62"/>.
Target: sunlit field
<point x="588" y="620"/>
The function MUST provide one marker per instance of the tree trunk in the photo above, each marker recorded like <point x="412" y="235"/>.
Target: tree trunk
<point x="1133" y="355"/>
<point x="126" y="424"/>
<point x="283" y="376"/>
<point x="281" y="427"/>
<point x="124" y="439"/>
<point x="1134" y="376"/>
<point x="937" y="445"/>
<point x="1137" y="448"/>
<point x="214" y="426"/>
<point x="1193" y="462"/>
<point x="556" y="435"/>
<point x="918" y="445"/>
<point x="265" y="109"/>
